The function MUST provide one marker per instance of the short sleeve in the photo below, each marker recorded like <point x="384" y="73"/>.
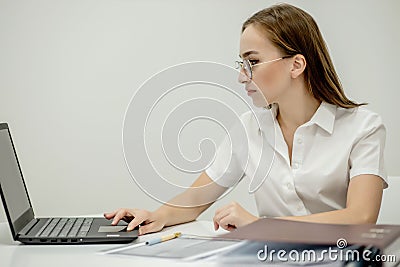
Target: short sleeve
<point x="367" y="154"/>
<point x="227" y="169"/>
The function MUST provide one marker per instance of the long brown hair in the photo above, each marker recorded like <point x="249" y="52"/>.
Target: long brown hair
<point x="294" y="31"/>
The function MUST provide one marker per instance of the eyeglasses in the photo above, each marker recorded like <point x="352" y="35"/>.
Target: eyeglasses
<point x="248" y="67"/>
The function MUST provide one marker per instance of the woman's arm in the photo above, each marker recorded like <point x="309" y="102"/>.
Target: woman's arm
<point x="196" y="199"/>
<point x="364" y="196"/>
<point x="185" y="207"/>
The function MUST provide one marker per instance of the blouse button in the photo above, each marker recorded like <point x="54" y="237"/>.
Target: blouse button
<point x="289" y="186"/>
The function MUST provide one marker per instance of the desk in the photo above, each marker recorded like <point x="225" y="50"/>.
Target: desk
<point x="14" y="254"/>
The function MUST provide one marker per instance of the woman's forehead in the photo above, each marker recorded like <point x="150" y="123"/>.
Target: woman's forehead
<point x="254" y="39"/>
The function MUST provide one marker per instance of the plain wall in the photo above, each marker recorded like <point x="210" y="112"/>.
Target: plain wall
<point x="69" y="68"/>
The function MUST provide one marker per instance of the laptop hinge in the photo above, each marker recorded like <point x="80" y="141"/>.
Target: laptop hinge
<point x="28" y="227"/>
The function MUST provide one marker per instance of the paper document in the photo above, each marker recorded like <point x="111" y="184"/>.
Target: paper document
<point x="187" y="248"/>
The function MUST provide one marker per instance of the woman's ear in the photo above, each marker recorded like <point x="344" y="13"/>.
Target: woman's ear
<point x="299" y="65"/>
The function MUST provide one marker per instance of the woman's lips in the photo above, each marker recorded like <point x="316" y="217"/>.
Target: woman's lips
<point x="249" y="92"/>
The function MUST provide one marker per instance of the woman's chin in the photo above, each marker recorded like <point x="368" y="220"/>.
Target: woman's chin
<point x="259" y="103"/>
<point x="259" y="100"/>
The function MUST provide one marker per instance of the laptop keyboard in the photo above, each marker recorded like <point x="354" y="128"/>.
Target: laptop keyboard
<point x="66" y="227"/>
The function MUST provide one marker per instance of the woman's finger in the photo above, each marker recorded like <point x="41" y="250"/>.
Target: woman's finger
<point x="150" y="228"/>
<point x="227" y="224"/>
<point x="119" y="215"/>
<point x="218" y="216"/>
<point x="222" y="214"/>
<point x="135" y="222"/>
<point x="110" y="215"/>
<point x="216" y="225"/>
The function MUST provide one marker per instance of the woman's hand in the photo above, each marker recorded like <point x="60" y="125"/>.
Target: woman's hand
<point x="149" y="221"/>
<point x="232" y="216"/>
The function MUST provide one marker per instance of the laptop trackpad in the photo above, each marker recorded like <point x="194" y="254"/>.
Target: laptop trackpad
<point x="112" y="229"/>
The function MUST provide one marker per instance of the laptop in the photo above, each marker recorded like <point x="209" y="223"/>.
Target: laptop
<point x="26" y="228"/>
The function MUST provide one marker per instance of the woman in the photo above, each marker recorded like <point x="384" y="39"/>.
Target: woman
<point x="328" y="166"/>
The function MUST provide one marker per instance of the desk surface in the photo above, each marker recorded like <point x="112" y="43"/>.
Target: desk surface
<point x="16" y="254"/>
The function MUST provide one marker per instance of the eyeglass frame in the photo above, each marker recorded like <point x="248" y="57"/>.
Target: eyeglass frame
<point x="241" y="64"/>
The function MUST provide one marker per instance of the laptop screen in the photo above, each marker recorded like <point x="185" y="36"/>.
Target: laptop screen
<point x="11" y="182"/>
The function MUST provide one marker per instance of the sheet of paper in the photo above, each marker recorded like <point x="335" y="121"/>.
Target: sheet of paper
<point x="179" y="248"/>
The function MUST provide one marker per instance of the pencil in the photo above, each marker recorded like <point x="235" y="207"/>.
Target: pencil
<point x="163" y="239"/>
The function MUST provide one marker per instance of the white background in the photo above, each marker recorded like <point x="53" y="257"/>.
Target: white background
<point x="69" y="68"/>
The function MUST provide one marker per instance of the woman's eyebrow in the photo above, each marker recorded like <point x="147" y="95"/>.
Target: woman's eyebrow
<point x="245" y="54"/>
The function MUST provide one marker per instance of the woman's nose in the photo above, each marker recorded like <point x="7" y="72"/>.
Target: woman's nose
<point x="243" y="77"/>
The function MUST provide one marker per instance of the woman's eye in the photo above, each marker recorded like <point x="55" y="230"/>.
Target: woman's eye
<point x="253" y="61"/>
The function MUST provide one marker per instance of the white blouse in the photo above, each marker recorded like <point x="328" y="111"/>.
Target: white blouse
<point x="336" y="145"/>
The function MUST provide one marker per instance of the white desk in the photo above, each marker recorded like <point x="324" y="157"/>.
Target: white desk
<point x="16" y="254"/>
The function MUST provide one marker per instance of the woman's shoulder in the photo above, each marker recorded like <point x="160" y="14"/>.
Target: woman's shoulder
<point x="256" y="118"/>
<point x="359" y="117"/>
<point x="360" y="113"/>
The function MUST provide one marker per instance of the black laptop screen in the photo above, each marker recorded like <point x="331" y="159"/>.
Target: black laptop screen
<point x="11" y="181"/>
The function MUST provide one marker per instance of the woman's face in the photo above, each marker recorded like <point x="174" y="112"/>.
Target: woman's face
<point x="270" y="80"/>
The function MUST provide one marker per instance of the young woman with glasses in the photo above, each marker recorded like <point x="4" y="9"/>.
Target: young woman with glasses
<point x="328" y="165"/>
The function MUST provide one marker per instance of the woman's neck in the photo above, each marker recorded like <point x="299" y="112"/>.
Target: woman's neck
<point x="297" y="110"/>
